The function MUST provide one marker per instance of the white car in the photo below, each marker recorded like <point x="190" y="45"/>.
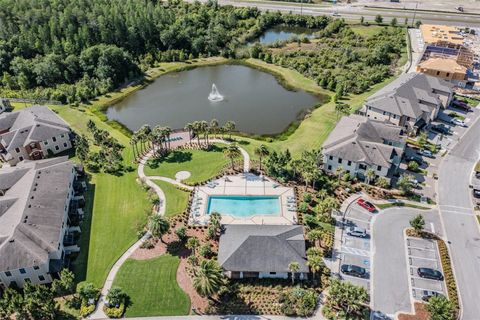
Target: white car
<point x="458" y="122"/>
<point x="357" y="232"/>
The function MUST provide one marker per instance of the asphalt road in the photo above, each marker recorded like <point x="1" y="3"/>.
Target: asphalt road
<point x="461" y="227"/>
<point x="355" y="12"/>
<point x="390" y="282"/>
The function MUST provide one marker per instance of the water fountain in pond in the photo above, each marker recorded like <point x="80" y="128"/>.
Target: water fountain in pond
<point x="215" y="95"/>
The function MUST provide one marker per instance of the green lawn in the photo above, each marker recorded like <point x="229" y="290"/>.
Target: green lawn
<point x="366" y="31"/>
<point x="152" y="287"/>
<point x="203" y="165"/>
<point x="177" y="200"/>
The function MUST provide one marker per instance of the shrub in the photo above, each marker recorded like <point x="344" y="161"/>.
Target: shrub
<point x="413" y="166"/>
<point x="85" y="310"/>
<point x="303" y="207"/>
<point x="181" y="233"/>
<point x="205" y="250"/>
<point x="307" y="197"/>
<point x="115" y="312"/>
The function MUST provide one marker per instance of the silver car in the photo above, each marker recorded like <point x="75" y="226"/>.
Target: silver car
<point x="458" y="122"/>
<point x="357" y="232"/>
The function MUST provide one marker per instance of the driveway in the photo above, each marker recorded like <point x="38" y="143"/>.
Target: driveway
<point x="390" y="273"/>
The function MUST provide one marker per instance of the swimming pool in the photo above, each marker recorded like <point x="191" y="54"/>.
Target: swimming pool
<point x="244" y="206"/>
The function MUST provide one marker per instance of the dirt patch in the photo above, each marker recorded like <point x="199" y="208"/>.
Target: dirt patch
<point x="420" y="313"/>
<point x="185" y="282"/>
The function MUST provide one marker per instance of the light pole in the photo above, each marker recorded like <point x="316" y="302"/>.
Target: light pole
<point x="414" y="13"/>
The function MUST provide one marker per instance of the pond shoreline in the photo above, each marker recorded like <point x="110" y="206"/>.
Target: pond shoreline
<point x="100" y="107"/>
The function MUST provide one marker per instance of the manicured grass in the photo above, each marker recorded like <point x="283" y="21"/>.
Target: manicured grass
<point x="399" y="204"/>
<point x="366" y="31"/>
<point x="203" y="165"/>
<point x="177" y="200"/>
<point x="152" y="287"/>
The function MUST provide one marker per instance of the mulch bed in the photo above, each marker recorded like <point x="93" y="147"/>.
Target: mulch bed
<point x="420" y="313"/>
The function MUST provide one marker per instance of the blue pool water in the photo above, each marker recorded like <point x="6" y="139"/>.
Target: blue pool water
<point x="244" y="206"/>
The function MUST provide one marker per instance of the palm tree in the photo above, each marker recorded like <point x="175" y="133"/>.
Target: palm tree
<point x="196" y="130"/>
<point x="208" y="278"/>
<point x="140" y="138"/>
<point x="133" y="143"/>
<point x="229" y="127"/>
<point x="440" y="308"/>
<point x="204" y="129"/>
<point x="418" y="223"/>
<point x="314" y="236"/>
<point x="157" y="133"/>
<point x="293" y="267"/>
<point x="158" y="226"/>
<point x="315" y="263"/>
<point x="231" y="152"/>
<point x="214" y="126"/>
<point x="189" y="128"/>
<point x="261" y="152"/>
<point x="147" y="133"/>
<point x="167" y="131"/>
<point x="370" y="175"/>
<point x="192" y="244"/>
<point x="340" y="171"/>
<point x="347" y="297"/>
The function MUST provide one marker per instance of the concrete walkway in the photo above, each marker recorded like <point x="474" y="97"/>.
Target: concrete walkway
<point x="98" y="313"/>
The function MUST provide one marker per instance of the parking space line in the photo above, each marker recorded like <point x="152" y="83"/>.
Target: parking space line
<point x="457" y="212"/>
<point x="421" y="249"/>
<point x="421" y="258"/>
<point x="366" y="221"/>
<point x="421" y="289"/>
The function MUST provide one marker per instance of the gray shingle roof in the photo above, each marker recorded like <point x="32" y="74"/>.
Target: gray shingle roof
<point x="262" y="248"/>
<point x="33" y="209"/>
<point x="405" y="95"/>
<point x="361" y="139"/>
<point x="36" y="123"/>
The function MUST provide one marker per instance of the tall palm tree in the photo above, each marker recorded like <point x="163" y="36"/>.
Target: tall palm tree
<point x="261" y="152"/>
<point x="133" y="142"/>
<point x="158" y="226"/>
<point x="315" y="263"/>
<point x="340" y="171"/>
<point x="147" y="133"/>
<point x="203" y="128"/>
<point x="314" y="236"/>
<point x="189" y="128"/>
<point x="293" y="267"/>
<point x="370" y="175"/>
<point x="231" y="152"/>
<point x="167" y="131"/>
<point x="196" y="130"/>
<point x="229" y="127"/>
<point x="208" y="278"/>
<point x="192" y="244"/>
<point x="157" y="136"/>
<point x="214" y="126"/>
<point x="139" y="137"/>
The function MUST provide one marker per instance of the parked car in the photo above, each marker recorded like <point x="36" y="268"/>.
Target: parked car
<point x="440" y="128"/>
<point x="357" y="232"/>
<point x="425" y="153"/>
<point x="366" y="205"/>
<point x="458" y="122"/>
<point x="476" y="193"/>
<point x="353" y="270"/>
<point x="427" y="294"/>
<point x="477" y="175"/>
<point x="429" y="273"/>
<point x="415" y="158"/>
<point x="461" y="105"/>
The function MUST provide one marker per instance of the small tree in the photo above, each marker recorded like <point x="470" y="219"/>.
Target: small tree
<point x="362" y="19"/>
<point x="293" y="267"/>
<point x="205" y="250"/>
<point x="370" y="175"/>
<point x="261" y="152"/>
<point x="65" y="284"/>
<point x="231" y="152"/>
<point x="440" y="308"/>
<point x="208" y="278"/>
<point x="115" y="297"/>
<point x="394" y="22"/>
<point x="181" y="233"/>
<point x="422" y="139"/>
<point x="382" y="182"/>
<point x="158" y="226"/>
<point x="192" y="244"/>
<point x="87" y="291"/>
<point x="418" y="23"/>
<point x="418" y="223"/>
<point x="378" y="19"/>
<point x="413" y="166"/>
<point x="404" y="183"/>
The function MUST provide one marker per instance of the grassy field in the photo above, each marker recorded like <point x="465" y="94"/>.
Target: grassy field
<point x="152" y="287"/>
<point x="366" y="31"/>
<point x="202" y="165"/>
<point x="177" y="200"/>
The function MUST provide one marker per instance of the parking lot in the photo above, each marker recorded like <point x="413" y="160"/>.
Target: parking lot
<point x="354" y="250"/>
<point x="423" y="253"/>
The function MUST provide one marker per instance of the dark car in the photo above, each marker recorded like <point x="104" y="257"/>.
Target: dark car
<point x="415" y="158"/>
<point x="441" y="128"/>
<point x="461" y="105"/>
<point x="427" y="294"/>
<point x="476" y="193"/>
<point x="430" y="273"/>
<point x="353" y="270"/>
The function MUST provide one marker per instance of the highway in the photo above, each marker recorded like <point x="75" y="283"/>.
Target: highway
<point x="350" y="12"/>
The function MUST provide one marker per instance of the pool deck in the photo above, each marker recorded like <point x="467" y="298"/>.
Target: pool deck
<point x="244" y="184"/>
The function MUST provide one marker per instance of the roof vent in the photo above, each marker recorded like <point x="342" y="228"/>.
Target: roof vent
<point x="11" y="240"/>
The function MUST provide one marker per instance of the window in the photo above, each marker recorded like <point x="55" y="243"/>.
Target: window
<point x="45" y="143"/>
<point x="273" y="273"/>
<point x="438" y="73"/>
<point x="448" y="74"/>
<point x="20" y="158"/>
<point x="54" y="139"/>
<point x="62" y="136"/>
<point x="331" y="157"/>
<point x="384" y="113"/>
<point x="362" y="167"/>
<point x="8" y="273"/>
<point x="64" y="144"/>
<point x="22" y="271"/>
<point x="17" y="150"/>
<point x="379" y="168"/>
<point x="339" y="160"/>
<point x="36" y="267"/>
<point x="57" y="148"/>
<point x="349" y="163"/>
<point x="329" y="168"/>
<point x="41" y="278"/>
<point x="394" y="116"/>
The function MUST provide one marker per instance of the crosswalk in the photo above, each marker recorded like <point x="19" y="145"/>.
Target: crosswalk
<point x="355" y="251"/>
